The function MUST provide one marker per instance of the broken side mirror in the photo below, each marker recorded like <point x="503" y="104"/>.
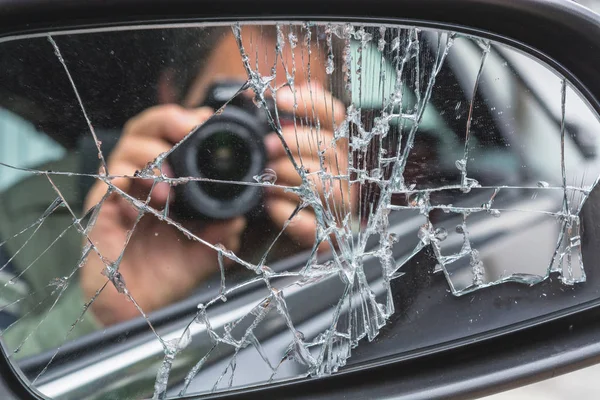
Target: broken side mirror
<point x="197" y="207"/>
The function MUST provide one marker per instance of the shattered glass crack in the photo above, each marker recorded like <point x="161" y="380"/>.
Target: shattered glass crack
<point x="351" y="183"/>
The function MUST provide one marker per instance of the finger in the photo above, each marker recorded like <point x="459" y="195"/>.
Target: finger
<point x="299" y="143"/>
<point x="305" y="142"/>
<point x="137" y="188"/>
<point x="170" y="122"/>
<point x="156" y="194"/>
<point x="287" y="174"/>
<point x="333" y="190"/>
<point x="133" y="154"/>
<point x="223" y="231"/>
<point x="312" y="102"/>
<point x="118" y="180"/>
<point x="323" y="177"/>
<point x="163" y="192"/>
<point x="128" y="212"/>
<point x="337" y="199"/>
<point x="337" y="207"/>
<point x="138" y="151"/>
<point x="301" y="228"/>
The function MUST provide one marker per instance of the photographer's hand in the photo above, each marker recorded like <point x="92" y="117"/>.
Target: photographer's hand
<point x="159" y="265"/>
<point x="305" y="142"/>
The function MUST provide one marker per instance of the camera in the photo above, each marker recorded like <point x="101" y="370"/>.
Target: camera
<point x="227" y="147"/>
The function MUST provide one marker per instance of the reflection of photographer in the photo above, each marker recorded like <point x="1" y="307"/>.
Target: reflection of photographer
<point x="160" y="265"/>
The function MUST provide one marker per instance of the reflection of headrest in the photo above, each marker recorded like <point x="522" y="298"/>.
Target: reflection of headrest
<point x="116" y="74"/>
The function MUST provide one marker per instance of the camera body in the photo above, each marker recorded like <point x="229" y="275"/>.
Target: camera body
<point x="227" y="147"/>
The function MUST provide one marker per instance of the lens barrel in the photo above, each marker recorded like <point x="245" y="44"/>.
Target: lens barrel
<point x="228" y="147"/>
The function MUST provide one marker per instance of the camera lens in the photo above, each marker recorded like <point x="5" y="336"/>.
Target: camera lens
<point x="224" y="156"/>
<point x="227" y="148"/>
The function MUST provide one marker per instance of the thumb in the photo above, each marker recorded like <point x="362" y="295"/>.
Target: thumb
<point x="223" y="231"/>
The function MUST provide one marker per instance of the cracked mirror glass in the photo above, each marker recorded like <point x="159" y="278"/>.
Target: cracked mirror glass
<point x="190" y="209"/>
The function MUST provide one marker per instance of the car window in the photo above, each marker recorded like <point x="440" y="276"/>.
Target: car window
<point x="23" y="145"/>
